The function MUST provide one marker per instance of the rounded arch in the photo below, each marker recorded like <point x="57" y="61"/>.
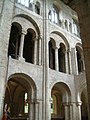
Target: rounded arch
<point x="62" y="37"/>
<point x="81" y="89"/>
<point x="28" y="18"/>
<point x="80" y="59"/>
<point x="14" y="40"/>
<point x="53" y="42"/>
<point x="65" y="90"/>
<point x="27" y="81"/>
<point x="52" y="46"/>
<point x="20" y="93"/>
<point x="60" y="95"/>
<point x="82" y="98"/>
<point x="17" y="25"/>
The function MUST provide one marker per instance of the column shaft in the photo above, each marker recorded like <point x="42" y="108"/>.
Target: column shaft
<point x="21" y="45"/>
<point x="40" y="51"/>
<point x="35" y="51"/>
<point x="66" y="112"/>
<point x="69" y="61"/>
<point x="66" y="62"/>
<point x="56" y="59"/>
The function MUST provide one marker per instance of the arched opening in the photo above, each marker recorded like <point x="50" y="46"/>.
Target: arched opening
<point x="26" y="3"/>
<point x="84" y="106"/>
<point x="55" y="14"/>
<point x="20" y="92"/>
<point x="60" y="96"/>
<point x="79" y="60"/>
<point x="28" y="51"/>
<point x="66" y="24"/>
<point x="51" y="54"/>
<point x="37" y="8"/>
<point x="14" y="41"/>
<point x="61" y="57"/>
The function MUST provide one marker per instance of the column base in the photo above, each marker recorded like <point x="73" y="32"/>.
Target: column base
<point x="21" y="59"/>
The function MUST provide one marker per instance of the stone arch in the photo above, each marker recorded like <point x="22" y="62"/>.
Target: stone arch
<point x="37" y="7"/>
<point x="61" y="96"/>
<point x="80" y="59"/>
<point x="30" y="20"/>
<point x="62" y="37"/>
<point x="64" y="89"/>
<point x="31" y="31"/>
<point x="14" y="40"/>
<point x="18" y="85"/>
<point x="51" y="46"/>
<point x="82" y="99"/>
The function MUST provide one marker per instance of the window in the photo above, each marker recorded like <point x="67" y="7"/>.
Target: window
<point x="25" y="103"/>
<point x="37" y="8"/>
<point x="52" y="105"/>
<point x="25" y="2"/>
<point x="55" y="14"/>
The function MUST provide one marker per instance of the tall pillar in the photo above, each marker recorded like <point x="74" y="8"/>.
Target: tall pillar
<point x="45" y="63"/>
<point x="79" y="110"/>
<point x="72" y="111"/>
<point x="6" y="13"/>
<point x="40" y="47"/>
<point x="69" y="61"/>
<point x="21" y="45"/>
<point x="56" y="59"/>
<point x="74" y="61"/>
<point x="66" y="106"/>
<point x="66" y="61"/>
<point x="35" y="50"/>
<point x="32" y="111"/>
<point x="36" y="110"/>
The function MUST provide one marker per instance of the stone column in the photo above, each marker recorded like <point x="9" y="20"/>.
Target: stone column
<point x="66" y="106"/>
<point x="40" y="47"/>
<point x="79" y="110"/>
<point x="56" y="59"/>
<point x="72" y="111"/>
<point x="35" y="50"/>
<point x="5" y="28"/>
<point x="68" y="26"/>
<point x="36" y="110"/>
<point x="21" y="45"/>
<point x="66" y="61"/>
<point x="32" y="111"/>
<point x="69" y="61"/>
<point x="74" y="61"/>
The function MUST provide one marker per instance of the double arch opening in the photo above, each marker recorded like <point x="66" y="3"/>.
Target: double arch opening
<point x="58" y="53"/>
<point x="24" y="41"/>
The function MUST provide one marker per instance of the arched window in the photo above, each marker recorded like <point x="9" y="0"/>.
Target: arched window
<point x="51" y="55"/>
<point x="61" y="57"/>
<point x="66" y="25"/>
<point x="26" y="3"/>
<point x="55" y="14"/>
<point x="53" y="105"/>
<point x="28" y="50"/>
<point x="14" y="41"/>
<point x="26" y="103"/>
<point x="79" y="60"/>
<point x="37" y="8"/>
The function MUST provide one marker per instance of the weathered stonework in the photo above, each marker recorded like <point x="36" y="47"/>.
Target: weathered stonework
<point x="36" y="77"/>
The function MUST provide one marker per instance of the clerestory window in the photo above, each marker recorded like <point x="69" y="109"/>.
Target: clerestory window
<point x="55" y="14"/>
<point x="26" y="3"/>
